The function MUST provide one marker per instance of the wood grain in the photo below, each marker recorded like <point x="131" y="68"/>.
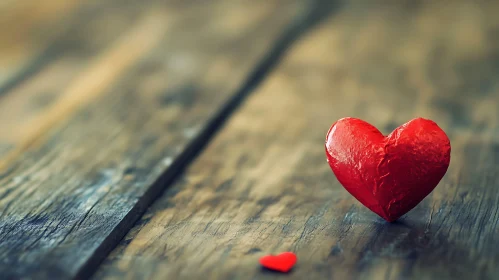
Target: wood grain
<point x="27" y="99"/>
<point x="263" y="185"/>
<point x="92" y="82"/>
<point x="126" y="124"/>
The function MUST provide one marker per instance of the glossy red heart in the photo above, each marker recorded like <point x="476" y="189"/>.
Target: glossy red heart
<point x="282" y="262"/>
<point x="389" y="175"/>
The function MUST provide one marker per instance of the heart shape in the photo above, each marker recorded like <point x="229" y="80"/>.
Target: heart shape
<point x="389" y="175"/>
<point x="282" y="262"/>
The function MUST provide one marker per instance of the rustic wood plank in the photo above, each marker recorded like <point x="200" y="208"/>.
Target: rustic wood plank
<point x="28" y="27"/>
<point x="263" y="185"/>
<point x="71" y="52"/>
<point x="131" y="120"/>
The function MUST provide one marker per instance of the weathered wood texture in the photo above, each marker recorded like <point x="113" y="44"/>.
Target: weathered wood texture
<point x="128" y="117"/>
<point x="263" y="185"/>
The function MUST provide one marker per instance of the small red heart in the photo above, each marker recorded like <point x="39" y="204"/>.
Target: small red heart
<point x="389" y="175"/>
<point x="282" y="262"/>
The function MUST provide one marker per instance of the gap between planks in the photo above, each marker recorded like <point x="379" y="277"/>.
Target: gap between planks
<point x="35" y="136"/>
<point x="318" y="11"/>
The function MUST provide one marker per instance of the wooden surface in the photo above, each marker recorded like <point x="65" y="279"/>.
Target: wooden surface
<point x="263" y="185"/>
<point x="105" y="104"/>
<point x="28" y="29"/>
<point x="59" y="66"/>
<point x="133" y="92"/>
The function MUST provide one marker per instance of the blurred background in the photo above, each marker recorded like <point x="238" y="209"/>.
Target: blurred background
<point x="100" y="98"/>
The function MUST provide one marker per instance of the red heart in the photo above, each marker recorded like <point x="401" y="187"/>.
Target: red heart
<point x="389" y="175"/>
<point x="282" y="262"/>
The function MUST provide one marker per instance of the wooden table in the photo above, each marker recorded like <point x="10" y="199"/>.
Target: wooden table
<point x="184" y="139"/>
